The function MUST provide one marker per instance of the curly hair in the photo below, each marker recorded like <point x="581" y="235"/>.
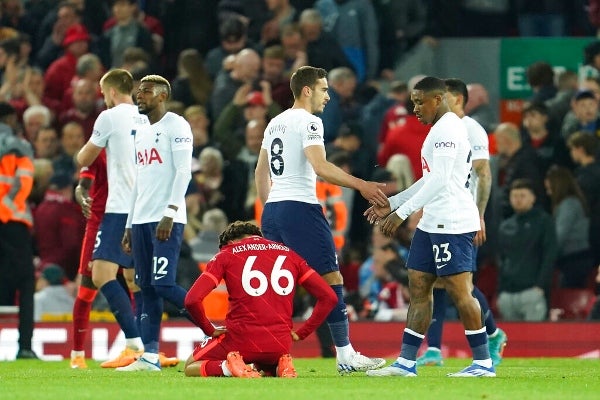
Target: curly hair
<point x="237" y="230"/>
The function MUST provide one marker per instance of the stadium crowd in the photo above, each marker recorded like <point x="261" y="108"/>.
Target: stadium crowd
<point x="229" y="64"/>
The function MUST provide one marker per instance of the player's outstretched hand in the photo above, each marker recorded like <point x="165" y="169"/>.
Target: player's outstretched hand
<point x="295" y="336"/>
<point x="84" y="200"/>
<point x="376" y="213"/>
<point x="373" y="193"/>
<point x="390" y="224"/>
<point x="163" y="229"/>
<point x="126" y="241"/>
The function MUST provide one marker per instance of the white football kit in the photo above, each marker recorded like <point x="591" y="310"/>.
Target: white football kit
<point x="443" y="191"/>
<point x="285" y="138"/>
<point x="164" y="168"/>
<point x="114" y="130"/>
<point x="479" y="141"/>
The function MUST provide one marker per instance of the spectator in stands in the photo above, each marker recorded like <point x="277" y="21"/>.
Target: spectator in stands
<point x="273" y="68"/>
<point x="52" y="33"/>
<point x="341" y="106"/>
<point x="59" y="226"/>
<point x="560" y="104"/>
<point x="245" y="70"/>
<point x="43" y="170"/>
<point x="246" y="105"/>
<point x="572" y="223"/>
<point x="52" y="298"/>
<point x="548" y="144"/>
<point x="514" y="161"/>
<point x="405" y="138"/>
<point x="544" y="18"/>
<point x="478" y="106"/>
<point x="85" y="108"/>
<point x="585" y="107"/>
<point x="30" y="91"/>
<point x="192" y="85"/>
<point x="393" y="298"/>
<point x="46" y="144"/>
<point x="127" y="32"/>
<point x="322" y="49"/>
<point x="72" y="139"/>
<point x="527" y="252"/>
<point x="394" y="109"/>
<point x="584" y="150"/>
<point x="294" y="48"/>
<point x="233" y="33"/>
<point x="35" y="117"/>
<point x="540" y="77"/>
<point x="199" y="122"/>
<point x="89" y="67"/>
<point x="59" y="74"/>
<point x="248" y="155"/>
<point x="354" y="25"/>
<point x="282" y="13"/>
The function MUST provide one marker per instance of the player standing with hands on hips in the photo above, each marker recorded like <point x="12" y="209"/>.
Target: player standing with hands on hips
<point x="291" y="157"/>
<point x="442" y="247"/>
<point x="154" y="228"/>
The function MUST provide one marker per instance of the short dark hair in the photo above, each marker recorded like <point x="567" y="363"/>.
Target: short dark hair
<point x="237" y="230"/>
<point x="456" y="86"/>
<point x="540" y="74"/>
<point x="522" y="184"/>
<point x="232" y="29"/>
<point x="431" y="84"/>
<point x="536" y="107"/>
<point x="305" y="76"/>
<point x="587" y="142"/>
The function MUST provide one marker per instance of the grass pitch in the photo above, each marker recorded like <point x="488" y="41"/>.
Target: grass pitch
<point x="531" y="378"/>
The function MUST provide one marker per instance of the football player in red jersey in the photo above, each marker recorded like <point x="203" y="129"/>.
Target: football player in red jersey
<point x="261" y="277"/>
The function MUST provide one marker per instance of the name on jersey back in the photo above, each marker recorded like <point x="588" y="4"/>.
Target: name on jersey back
<point x="259" y="247"/>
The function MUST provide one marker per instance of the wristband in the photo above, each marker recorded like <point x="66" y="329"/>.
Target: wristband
<point x="170" y="213"/>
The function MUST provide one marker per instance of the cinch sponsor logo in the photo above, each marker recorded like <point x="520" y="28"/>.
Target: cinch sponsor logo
<point x="480" y="147"/>
<point x="148" y="156"/>
<point x="444" y="145"/>
<point x="183" y="140"/>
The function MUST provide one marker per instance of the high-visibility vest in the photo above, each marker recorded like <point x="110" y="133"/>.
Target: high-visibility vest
<point x="335" y="210"/>
<point x="16" y="180"/>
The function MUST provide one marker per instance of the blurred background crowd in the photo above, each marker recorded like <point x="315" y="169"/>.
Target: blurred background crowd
<point x="229" y="64"/>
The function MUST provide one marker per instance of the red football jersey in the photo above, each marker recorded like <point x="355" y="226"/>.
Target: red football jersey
<point x="99" y="190"/>
<point x="261" y="278"/>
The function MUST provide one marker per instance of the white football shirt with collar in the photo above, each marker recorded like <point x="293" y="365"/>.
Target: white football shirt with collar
<point x="114" y="130"/>
<point x="448" y="205"/>
<point x="285" y="138"/>
<point x="479" y="146"/>
<point x="164" y="169"/>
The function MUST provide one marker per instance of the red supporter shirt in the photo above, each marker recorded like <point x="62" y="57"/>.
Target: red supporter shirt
<point x="261" y="278"/>
<point x="406" y="138"/>
<point x="99" y="190"/>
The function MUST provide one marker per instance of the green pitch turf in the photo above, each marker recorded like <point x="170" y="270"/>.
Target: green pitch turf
<point x="519" y="379"/>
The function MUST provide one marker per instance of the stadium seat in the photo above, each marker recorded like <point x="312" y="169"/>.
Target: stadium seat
<point x="574" y="303"/>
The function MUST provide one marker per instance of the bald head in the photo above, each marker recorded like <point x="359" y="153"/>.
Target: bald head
<point x="246" y="65"/>
<point x="508" y="139"/>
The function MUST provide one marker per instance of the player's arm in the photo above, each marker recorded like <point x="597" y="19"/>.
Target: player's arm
<point x="182" y="164"/>
<point x="333" y="174"/>
<point x="88" y="153"/>
<point x="262" y="177"/>
<point x="194" y="297"/>
<point x="326" y="300"/>
<point x="375" y="213"/>
<point x="481" y="167"/>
